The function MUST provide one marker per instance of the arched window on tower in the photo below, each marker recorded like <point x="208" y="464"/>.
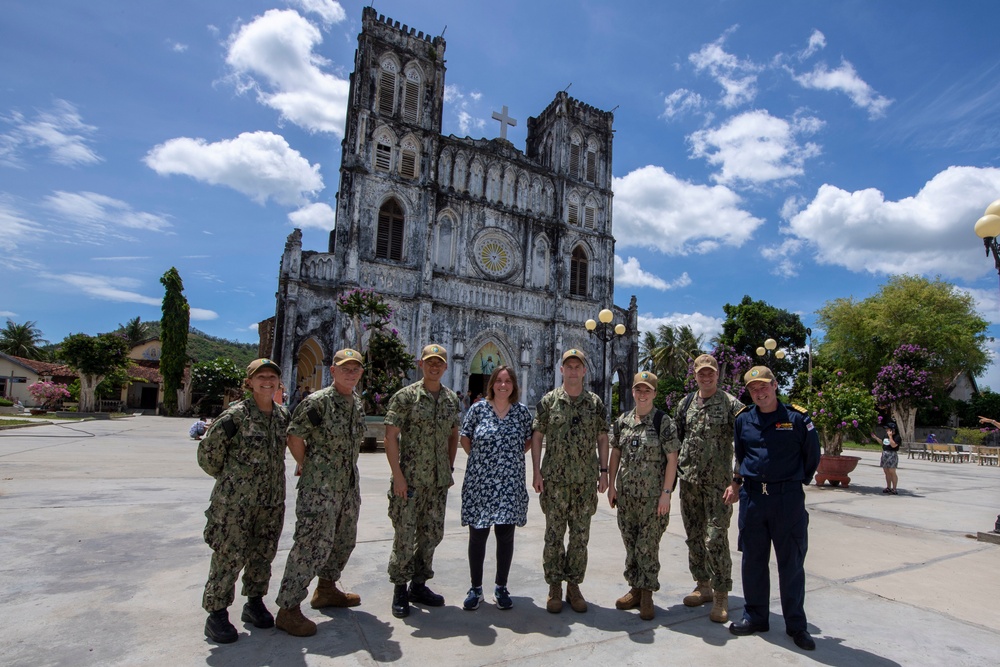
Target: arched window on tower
<point x="383" y="150"/>
<point x="578" y="272"/>
<point x="592" y="161"/>
<point x="386" y="94"/>
<point x="409" y="158"/>
<point x="574" y="156"/>
<point x="411" y="95"/>
<point x="389" y="239"/>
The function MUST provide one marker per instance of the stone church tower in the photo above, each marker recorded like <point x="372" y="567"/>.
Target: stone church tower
<point x="499" y="255"/>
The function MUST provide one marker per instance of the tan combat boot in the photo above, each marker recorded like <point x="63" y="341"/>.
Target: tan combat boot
<point x="720" y="609"/>
<point x="328" y="595"/>
<point x="554" y="603"/>
<point x="646" y="611"/>
<point x="575" y="598"/>
<point x="628" y="601"/>
<point x="294" y="623"/>
<point x="702" y="594"/>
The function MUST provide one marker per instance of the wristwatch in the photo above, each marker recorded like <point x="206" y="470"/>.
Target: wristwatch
<point x="737" y="480"/>
<point x="666" y="491"/>
<point x="604" y="469"/>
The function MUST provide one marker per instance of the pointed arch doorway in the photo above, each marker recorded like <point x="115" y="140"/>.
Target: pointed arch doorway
<point x="482" y="365"/>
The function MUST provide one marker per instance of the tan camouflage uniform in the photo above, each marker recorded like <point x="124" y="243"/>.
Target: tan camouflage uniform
<point x="425" y="425"/>
<point x="705" y="467"/>
<point x="570" y="471"/>
<point x="247" y="508"/>
<point x="329" y="495"/>
<point x="639" y="484"/>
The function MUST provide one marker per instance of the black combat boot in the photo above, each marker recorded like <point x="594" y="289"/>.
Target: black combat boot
<point x="420" y="594"/>
<point x="256" y="614"/>
<point x="219" y="629"/>
<point x="400" y="602"/>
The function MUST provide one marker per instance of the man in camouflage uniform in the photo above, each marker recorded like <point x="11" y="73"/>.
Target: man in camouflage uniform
<point x="644" y="464"/>
<point x="421" y="439"/>
<point x="568" y="480"/>
<point x="706" y="464"/>
<point x="324" y="437"/>
<point x="244" y="450"/>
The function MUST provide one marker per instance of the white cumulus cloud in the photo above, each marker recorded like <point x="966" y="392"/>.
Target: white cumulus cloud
<point x="97" y="215"/>
<point x="316" y="216"/>
<point x="328" y="10"/>
<point x="628" y="273"/>
<point x="59" y="132"/>
<point x="274" y="56"/>
<point x="929" y="233"/>
<point x="817" y="42"/>
<point x="738" y="78"/>
<point x="657" y="210"/>
<point x="261" y="165"/>
<point x="701" y="325"/>
<point x="15" y="228"/>
<point x="782" y="257"/>
<point x="846" y="80"/>
<point x="681" y="101"/>
<point x="755" y="147"/>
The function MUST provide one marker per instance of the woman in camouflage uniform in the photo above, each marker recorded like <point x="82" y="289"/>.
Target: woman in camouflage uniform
<point x="643" y="468"/>
<point x="244" y="450"/>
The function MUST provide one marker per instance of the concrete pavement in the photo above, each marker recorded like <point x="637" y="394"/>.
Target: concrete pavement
<point x="102" y="563"/>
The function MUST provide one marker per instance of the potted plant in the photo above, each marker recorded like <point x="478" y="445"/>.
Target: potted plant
<point x="386" y="358"/>
<point x="840" y="408"/>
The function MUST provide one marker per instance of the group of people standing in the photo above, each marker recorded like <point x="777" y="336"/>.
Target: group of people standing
<point x="721" y="451"/>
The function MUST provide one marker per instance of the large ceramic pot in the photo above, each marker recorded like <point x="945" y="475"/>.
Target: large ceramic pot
<point x="836" y="469"/>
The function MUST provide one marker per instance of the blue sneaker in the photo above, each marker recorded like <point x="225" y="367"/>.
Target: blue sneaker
<point x="473" y="599"/>
<point x="502" y="597"/>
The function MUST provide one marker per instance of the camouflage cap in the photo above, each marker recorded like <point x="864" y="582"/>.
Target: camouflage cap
<point x="646" y="378"/>
<point x="258" y="364"/>
<point x="706" y="361"/>
<point x="574" y="352"/>
<point x="758" y="374"/>
<point x="434" y="350"/>
<point x="345" y="355"/>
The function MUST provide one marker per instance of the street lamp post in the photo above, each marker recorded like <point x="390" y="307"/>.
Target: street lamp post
<point x="988" y="229"/>
<point x="605" y="333"/>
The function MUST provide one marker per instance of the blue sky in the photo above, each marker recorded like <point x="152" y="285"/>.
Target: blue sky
<point x="793" y="151"/>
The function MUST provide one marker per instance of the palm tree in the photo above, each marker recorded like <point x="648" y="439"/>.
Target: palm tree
<point x="135" y="331"/>
<point x="647" y="348"/>
<point x="668" y="352"/>
<point x="22" y="340"/>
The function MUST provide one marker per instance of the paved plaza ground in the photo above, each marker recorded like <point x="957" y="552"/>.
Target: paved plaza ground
<point x="102" y="563"/>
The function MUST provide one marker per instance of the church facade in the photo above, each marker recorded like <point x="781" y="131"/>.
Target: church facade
<point x="497" y="254"/>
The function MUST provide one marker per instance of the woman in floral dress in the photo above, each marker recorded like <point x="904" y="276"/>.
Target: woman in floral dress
<point x="495" y="434"/>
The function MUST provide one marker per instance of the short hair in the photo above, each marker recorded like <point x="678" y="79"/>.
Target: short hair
<point x="515" y="392"/>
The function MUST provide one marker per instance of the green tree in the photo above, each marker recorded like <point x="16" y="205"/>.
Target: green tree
<point x="215" y="378"/>
<point x="94" y="358"/>
<point x="22" y="340"/>
<point x="669" y="351"/>
<point x="135" y="331"/>
<point x="749" y="323"/>
<point x="860" y="336"/>
<point x="174" y="335"/>
<point x="386" y="358"/>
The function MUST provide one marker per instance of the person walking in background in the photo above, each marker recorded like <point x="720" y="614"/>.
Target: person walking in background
<point x="324" y="438"/>
<point x="495" y="434"/>
<point x="705" y="420"/>
<point x="572" y="421"/>
<point x="244" y="450"/>
<point x="890" y="457"/>
<point x="421" y="440"/>
<point x="642" y="472"/>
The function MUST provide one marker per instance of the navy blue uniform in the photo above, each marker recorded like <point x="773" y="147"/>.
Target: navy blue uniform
<point x="776" y="453"/>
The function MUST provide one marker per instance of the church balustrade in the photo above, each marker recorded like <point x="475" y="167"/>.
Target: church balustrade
<point x="390" y="280"/>
<point x="319" y="267"/>
<point x="496" y="298"/>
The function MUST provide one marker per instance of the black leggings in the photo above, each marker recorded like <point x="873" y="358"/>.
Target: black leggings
<point x="477" y="552"/>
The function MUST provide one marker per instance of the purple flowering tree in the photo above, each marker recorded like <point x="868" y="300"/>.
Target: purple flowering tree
<point x="732" y="366"/>
<point x="386" y="358"/>
<point x="904" y="385"/>
<point x="841" y="408"/>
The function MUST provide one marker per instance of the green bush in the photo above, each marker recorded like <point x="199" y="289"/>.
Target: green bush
<point x="971" y="436"/>
<point x="4" y="403"/>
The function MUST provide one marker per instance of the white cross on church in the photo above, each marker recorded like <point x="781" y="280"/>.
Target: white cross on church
<point x="505" y="120"/>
